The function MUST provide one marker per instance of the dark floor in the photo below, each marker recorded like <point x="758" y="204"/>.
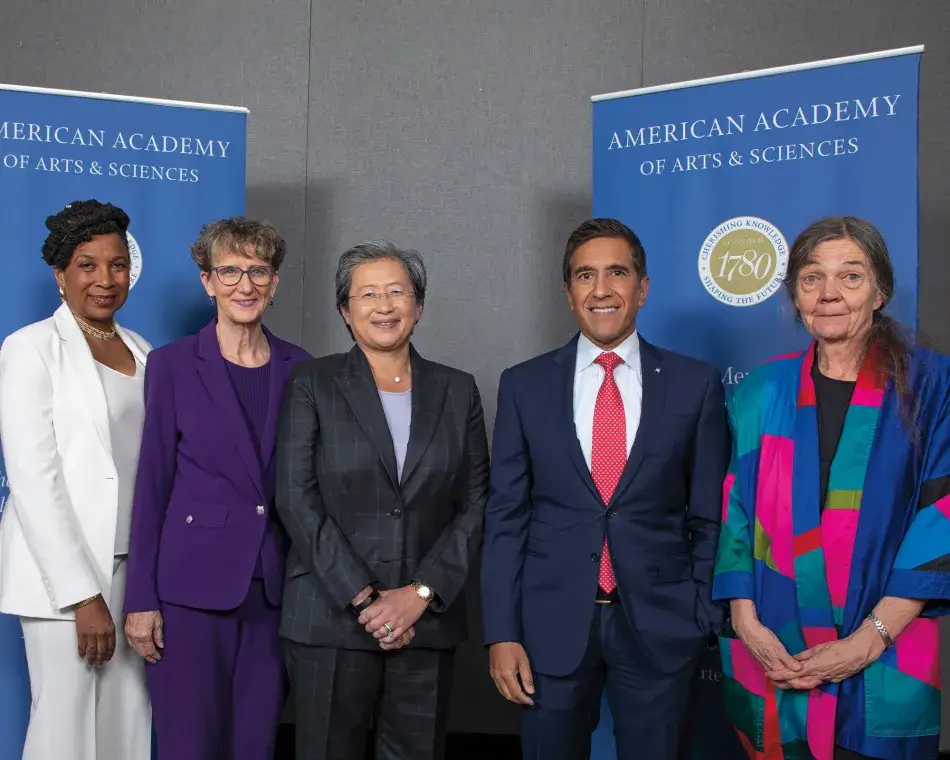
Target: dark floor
<point x="460" y="746"/>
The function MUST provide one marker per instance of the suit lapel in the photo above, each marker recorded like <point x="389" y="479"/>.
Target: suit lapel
<point x="80" y="358"/>
<point x="428" y="395"/>
<point x="137" y="351"/>
<point x="230" y="414"/>
<point x="651" y="413"/>
<point x="281" y="365"/>
<point x="563" y="396"/>
<point x="359" y="389"/>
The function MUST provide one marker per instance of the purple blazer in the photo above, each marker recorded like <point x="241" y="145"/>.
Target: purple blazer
<point x="203" y="506"/>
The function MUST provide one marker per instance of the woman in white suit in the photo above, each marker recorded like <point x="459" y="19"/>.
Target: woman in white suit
<point x="71" y="412"/>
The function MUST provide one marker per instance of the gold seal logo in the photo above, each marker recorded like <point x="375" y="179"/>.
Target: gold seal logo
<point x="742" y="261"/>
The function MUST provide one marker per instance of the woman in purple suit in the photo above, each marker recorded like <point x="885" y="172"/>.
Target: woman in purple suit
<point x="206" y="559"/>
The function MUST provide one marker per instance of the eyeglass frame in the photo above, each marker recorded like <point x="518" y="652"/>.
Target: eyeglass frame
<point x="271" y="272"/>
<point x="378" y="297"/>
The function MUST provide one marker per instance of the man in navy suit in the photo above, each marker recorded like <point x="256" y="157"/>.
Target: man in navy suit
<point x="603" y="517"/>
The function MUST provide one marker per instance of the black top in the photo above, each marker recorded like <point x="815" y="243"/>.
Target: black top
<point x="832" y="399"/>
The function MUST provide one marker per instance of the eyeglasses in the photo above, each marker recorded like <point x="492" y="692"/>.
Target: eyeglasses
<point x="370" y="298"/>
<point x="231" y="275"/>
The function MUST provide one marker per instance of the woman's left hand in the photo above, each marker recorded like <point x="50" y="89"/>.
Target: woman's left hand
<point x="827" y="663"/>
<point x="402" y="641"/>
<point x="399" y="609"/>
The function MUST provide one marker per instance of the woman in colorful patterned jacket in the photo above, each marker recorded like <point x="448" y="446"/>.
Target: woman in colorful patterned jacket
<point x="835" y="548"/>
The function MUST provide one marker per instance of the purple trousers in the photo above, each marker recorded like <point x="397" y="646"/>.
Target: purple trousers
<point x="218" y="691"/>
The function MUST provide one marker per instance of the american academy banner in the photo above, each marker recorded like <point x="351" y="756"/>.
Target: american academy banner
<point x="717" y="177"/>
<point x="172" y="167"/>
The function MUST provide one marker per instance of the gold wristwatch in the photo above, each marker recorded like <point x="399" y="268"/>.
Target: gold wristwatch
<point x="425" y="593"/>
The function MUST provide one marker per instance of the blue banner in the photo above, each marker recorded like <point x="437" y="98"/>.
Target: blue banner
<point x="717" y="178"/>
<point x="172" y="167"/>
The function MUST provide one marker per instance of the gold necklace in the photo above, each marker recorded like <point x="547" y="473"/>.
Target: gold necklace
<point x="95" y="332"/>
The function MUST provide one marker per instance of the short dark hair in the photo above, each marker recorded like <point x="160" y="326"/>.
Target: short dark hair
<point x="604" y="228"/>
<point x="78" y="223"/>
<point x="245" y="237"/>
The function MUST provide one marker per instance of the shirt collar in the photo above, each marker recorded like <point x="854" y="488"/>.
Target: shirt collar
<point x="629" y="351"/>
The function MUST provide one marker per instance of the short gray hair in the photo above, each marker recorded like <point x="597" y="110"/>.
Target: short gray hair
<point x="245" y="237"/>
<point x="374" y="251"/>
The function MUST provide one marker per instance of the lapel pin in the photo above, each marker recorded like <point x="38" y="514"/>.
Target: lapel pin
<point x="658" y="370"/>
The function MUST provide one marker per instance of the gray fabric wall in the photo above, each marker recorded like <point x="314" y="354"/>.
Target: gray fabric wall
<point x="461" y="128"/>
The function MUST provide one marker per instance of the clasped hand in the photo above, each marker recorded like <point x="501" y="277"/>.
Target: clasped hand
<point x="831" y="662"/>
<point x="399" y="609"/>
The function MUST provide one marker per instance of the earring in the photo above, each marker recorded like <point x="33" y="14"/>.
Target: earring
<point x="272" y="302"/>
<point x="62" y="294"/>
<point x="211" y="300"/>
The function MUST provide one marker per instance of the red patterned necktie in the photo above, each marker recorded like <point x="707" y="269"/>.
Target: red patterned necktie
<point x="609" y="450"/>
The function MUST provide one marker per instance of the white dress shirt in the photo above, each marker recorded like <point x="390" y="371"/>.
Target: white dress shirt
<point x="588" y="377"/>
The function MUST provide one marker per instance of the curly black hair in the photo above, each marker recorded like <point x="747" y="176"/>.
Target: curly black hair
<point x="77" y="224"/>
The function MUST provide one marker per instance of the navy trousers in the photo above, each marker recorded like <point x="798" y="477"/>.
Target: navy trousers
<point x="648" y="706"/>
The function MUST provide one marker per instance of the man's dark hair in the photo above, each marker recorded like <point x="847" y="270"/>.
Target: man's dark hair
<point x="604" y="228"/>
<point x="78" y="223"/>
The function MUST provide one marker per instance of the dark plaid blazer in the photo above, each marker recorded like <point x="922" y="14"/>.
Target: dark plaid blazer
<point x="353" y="523"/>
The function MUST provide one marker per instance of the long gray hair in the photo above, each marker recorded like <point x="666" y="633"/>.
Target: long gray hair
<point x="886" y="331"/>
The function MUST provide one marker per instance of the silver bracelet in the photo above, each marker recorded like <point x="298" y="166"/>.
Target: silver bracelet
<point x="875" y="620"/>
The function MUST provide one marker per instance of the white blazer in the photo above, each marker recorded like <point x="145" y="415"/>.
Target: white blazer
<point x="57" y="533"/>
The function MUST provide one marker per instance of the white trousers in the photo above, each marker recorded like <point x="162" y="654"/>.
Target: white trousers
<point x="79" y="712"/>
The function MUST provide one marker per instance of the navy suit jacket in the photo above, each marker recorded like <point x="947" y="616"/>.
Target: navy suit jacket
<point x="545" y="522"/>
<point x="203" y="507"/>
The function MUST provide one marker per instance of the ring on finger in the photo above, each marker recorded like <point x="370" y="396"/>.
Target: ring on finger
<point x="389" y="630"/>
